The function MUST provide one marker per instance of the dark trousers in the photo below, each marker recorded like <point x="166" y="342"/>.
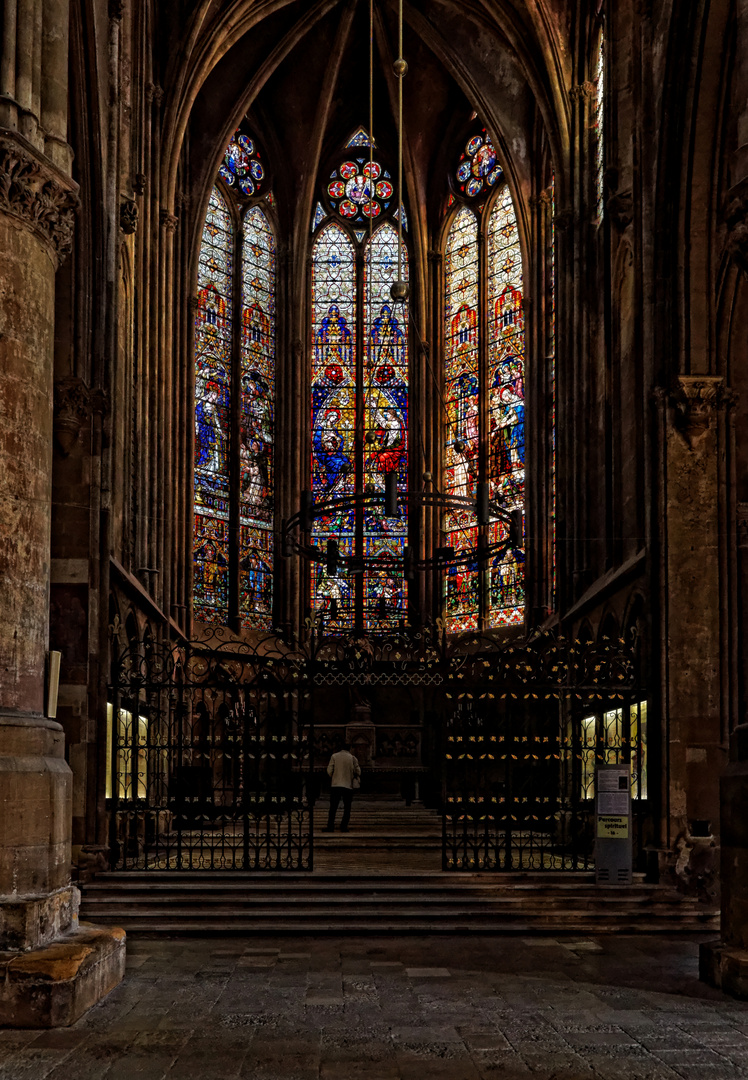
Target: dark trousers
<point x="336" y="794"/>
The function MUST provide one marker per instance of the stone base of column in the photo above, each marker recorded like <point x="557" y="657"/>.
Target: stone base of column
<point x="31" y="922"/>
<point x="53" y="986"/>
<point x="724" y="967"/>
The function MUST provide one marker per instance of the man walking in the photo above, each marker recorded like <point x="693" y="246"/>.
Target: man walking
<point x="345" y="772"/>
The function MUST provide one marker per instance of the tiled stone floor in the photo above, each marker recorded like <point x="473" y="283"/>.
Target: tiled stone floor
<point x="411" y="1008"/>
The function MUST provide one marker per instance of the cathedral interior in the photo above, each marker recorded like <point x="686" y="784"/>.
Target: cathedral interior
<point x="372" y="373"/>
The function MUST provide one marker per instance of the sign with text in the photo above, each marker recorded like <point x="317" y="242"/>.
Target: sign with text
<point x="613" y="825"/>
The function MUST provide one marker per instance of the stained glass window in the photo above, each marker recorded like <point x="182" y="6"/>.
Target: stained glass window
<point x="385" y="424"/>
<point x="366" y="393"/>
<point x="599" y="119"/>
<point x="257" y="425"/>
<point x="506" y="404"/>
<point x="234" y="400"/>
<point x="213" y="350"/>
<point x="334" y="413"/>
<point x="485" y="414"/>
<point x="462" y="399"/>
<point x="478" y="169"/>
<point x="242" y="165"/>
<point x="552" y="394"/>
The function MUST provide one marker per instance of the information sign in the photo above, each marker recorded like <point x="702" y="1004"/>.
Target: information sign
<point x="613" y="825"/>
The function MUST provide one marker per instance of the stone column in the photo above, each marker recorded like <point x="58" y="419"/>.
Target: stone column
<point x="694" y="436"/>
<point x="38" y="905"/>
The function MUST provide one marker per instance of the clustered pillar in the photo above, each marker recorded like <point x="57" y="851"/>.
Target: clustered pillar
<point x="38" y="904"/>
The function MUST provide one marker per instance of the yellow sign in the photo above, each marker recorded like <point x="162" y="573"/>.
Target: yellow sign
<point x="612" y="827"/>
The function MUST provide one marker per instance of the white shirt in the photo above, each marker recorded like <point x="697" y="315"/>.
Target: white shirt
<point x="342" y="768"/>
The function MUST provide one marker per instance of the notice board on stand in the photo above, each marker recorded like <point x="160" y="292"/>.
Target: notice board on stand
<point x="613" y="841"/>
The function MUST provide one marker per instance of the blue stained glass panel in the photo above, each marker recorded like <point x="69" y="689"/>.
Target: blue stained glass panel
<point x="385" y="423"/>
<point x="462" y="400"/>
<point x="506" y="373"/>
<point x="213" y="337"/>
<point x="333" y="413"/>
<point x="257" y="427"/>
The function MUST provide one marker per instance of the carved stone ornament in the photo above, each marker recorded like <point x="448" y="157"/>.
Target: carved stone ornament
<point x="620" y="209"/>
<point x="582" y="91"/>
<point x="38" y="194"/>
<point x="696" y="401"/>
<point x="563" y="220"/>
<point x="742" y="519"/>
<point x="116" y="9"/>
<point x="736" y="216"/>
<point x="139" y="183"/>
<point x="169" y="221"/>
<point x="128" y="216"/>
<point x="71" y="410"/>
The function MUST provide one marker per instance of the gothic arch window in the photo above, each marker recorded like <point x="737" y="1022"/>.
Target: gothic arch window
<point x="234" y="397"/>
<point x="359" y="392"/>
<point x="483" y="387"/>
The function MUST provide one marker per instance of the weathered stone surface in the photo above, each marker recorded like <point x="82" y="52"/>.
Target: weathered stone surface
<point x="53" y="986"/>
<point x="36" y="807"/>
<point x="32" y="923"/>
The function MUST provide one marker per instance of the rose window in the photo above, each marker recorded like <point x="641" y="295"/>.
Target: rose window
<point x="360" y="189"/>
<point x="241" y="166"/>
<point x="478" y="168"/>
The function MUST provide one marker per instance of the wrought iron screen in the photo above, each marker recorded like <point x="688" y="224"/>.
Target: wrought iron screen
<point x="526" y="724"/>
<point x="208" y="760"/>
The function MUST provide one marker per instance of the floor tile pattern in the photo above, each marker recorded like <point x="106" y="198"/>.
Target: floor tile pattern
<point x="410" y="1008"/>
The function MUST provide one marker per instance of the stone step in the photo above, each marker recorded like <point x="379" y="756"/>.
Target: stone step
<point x="295" y="902"/>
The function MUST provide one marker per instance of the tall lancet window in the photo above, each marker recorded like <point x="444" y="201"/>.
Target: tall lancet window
<point x="483" y="390"/>
<point x="359" y="395"/>
<point x="234" y="398"/>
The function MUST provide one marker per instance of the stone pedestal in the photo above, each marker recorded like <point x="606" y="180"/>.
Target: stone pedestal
<point x="361" y="735"/>
<point x="725" y="963"/>
<point x="50" y="969"/>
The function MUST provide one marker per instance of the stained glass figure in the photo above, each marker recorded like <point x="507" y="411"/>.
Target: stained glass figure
<point x="257" y="426"/>
<point x="478" y="169"/>
<point x="462" y="400"/>
<point x="506" y="404"/>
<point x="599" y="130"/>
<point x="385" y="423"/>
<point x="213" y="338"/>
<point x="333" y="413"/>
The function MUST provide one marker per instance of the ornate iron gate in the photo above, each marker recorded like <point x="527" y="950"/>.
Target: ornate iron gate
<point x="525" y="726"/>
<point x="209" y="758"/>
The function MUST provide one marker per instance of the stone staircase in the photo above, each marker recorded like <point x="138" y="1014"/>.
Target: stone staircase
<point x="383" y="876"/>
<point x="227" y="902"/>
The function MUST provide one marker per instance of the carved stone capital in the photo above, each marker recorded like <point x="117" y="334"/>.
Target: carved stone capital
<point x="563" y="220"/>
<point x="582" y="91"/>
<point x="128" y="216"/>
<point x="139" y="183"/>
<point x="742" y="522"/>
<point x="37" y="194"/>
<point x="736" y="216"/>
<point x="194" y="304"/>
<point x="169" y="221"/>
<point x="696" y="401"/>
<point x="72" y="406"/>
<point x="620" y="209"/>
<point x="154" y="93"/>
<point x="116" y="9"/>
